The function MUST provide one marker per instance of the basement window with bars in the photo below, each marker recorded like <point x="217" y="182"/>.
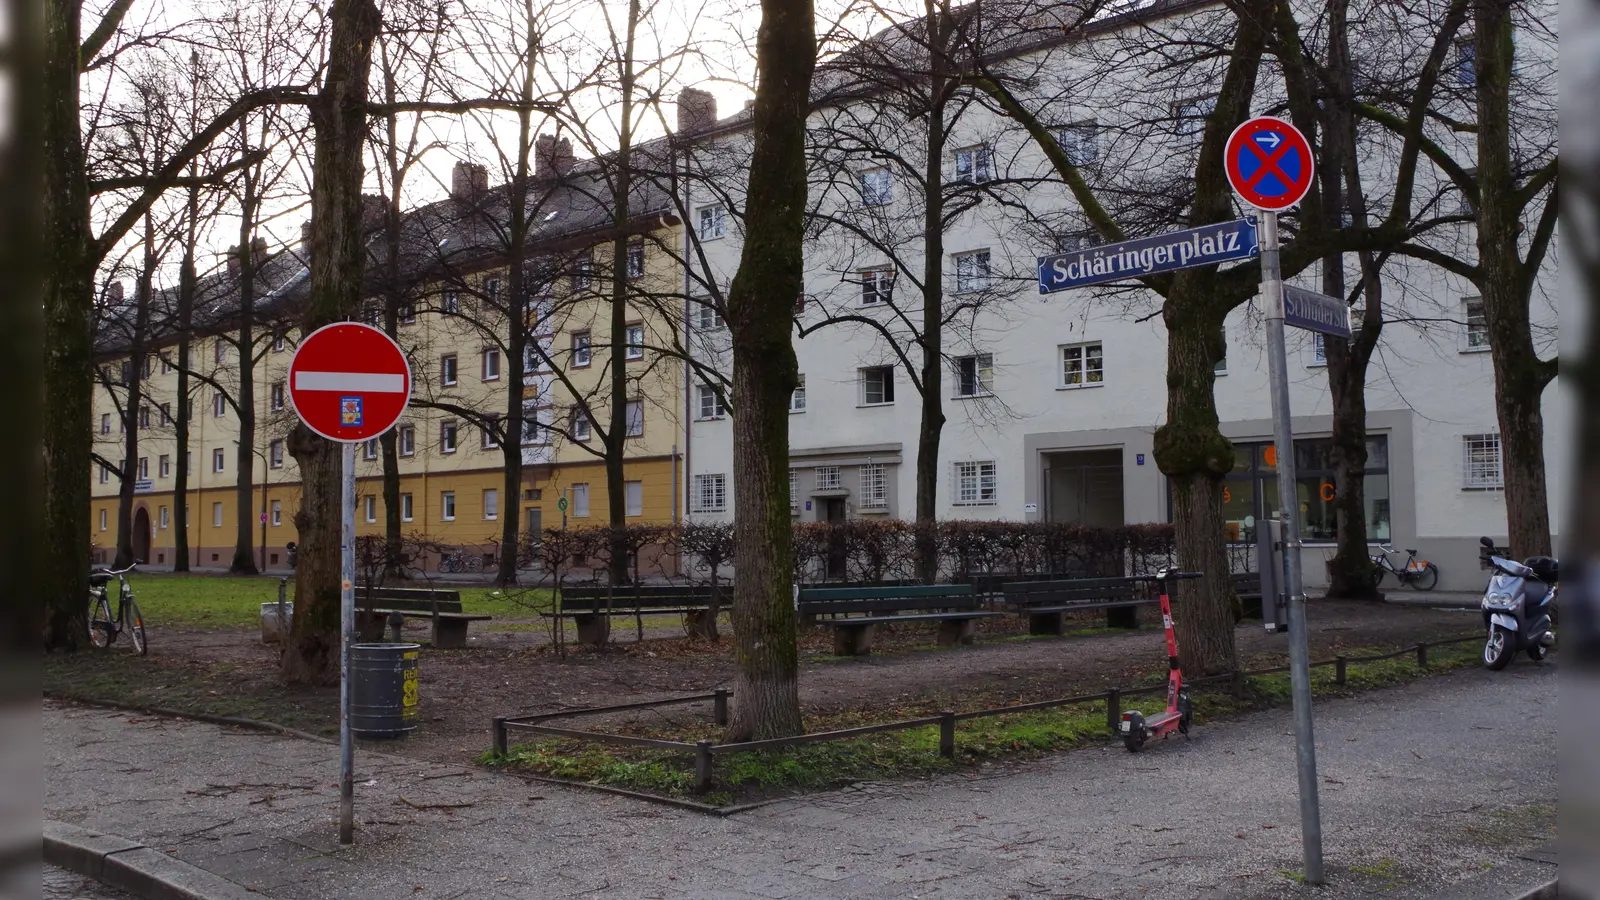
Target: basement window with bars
<point x="1481" y="466"/>
<point x="828" y="478"/>
<point x="975" y="483"/>
<point x="874" y="487"/>
<point x="710" y="493"/>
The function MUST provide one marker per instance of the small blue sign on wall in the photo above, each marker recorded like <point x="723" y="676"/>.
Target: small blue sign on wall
<point x="808" y="505"/>
<point x="1138" y="459"/>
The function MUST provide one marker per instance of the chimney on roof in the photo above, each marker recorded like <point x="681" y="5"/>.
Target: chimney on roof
<point x="750" y="104"/>
<point x="469" y="181"/>
<point x="374" y="208"/>
<point x="258" y="249"/>
<point x="114" y="293"/>
<point x="305" y="233"/>
<point x="697" y="110"/>
<point x="233" y="261"/>
<point x="552" y="158"/>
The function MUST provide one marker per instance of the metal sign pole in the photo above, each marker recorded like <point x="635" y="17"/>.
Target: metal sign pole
<point x="1289" y="513"/>
<point x="347" y="630"/>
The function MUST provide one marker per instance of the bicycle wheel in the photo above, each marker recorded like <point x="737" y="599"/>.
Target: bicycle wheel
<point x="474" y="564"/>
<point x="133" y="623"/>
<point x="1426" y="578"/>
<point x="101" y="626"/>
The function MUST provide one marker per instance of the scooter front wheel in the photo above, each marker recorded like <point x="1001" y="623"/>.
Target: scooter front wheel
<point x="1133" y="742"/>
<point x="1498" y="649"/>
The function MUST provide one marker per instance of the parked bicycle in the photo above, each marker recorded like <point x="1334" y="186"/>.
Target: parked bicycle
<point x="460" y="561"/>
<point x="1416" y="573"/>
<point x="103" y="626"/>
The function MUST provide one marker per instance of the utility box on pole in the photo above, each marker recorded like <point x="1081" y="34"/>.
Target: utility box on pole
<point x="1269" y="562"/>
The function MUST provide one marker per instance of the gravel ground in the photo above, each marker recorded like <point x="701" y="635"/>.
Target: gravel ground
<point x="1418" y="790"/>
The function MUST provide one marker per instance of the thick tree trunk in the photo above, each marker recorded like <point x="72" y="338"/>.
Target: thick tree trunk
<point x="244" y="557"/>
<point x="337" y="257"/>
<point x="1519" y="376"/>
<point x="617" y="443"/>
<point x="1191" y="451"/>
<point x="931" y="430"/>
<point x="187" y="282"/>
<point x="68" y="350"/>
<point x="130" y="447"/>
<point x="765" y="374"/>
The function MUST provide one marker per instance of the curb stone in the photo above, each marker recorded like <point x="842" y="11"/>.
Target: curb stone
<point x="133" y="867"/>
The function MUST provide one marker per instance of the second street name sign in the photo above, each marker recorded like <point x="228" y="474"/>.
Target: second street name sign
<point x="1315" y="312"/>
<point x="1201" y="246"/>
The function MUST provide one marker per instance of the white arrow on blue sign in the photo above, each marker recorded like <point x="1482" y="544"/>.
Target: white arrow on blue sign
<point x="1315" y="312"/>
<point x="1201" y="246"/>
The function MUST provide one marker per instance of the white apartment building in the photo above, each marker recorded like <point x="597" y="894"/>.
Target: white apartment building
<point x="1052" y="401"/>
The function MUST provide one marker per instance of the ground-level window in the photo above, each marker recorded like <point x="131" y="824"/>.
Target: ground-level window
<point x="710" y="493"/>
<point x="634" y="497"/>
<point x="874" y="488"/>
<point x="975" y="483"/>
<point x="580" y="500"/>
<point x="1480" y="461"/>
<point x="1250" y="491"/>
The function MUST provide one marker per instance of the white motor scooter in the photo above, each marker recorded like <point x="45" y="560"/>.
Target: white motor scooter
<point x="1516" y="606"/>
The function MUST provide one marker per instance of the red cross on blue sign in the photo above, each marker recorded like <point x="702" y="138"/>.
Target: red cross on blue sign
<point x="1269" y="163"/>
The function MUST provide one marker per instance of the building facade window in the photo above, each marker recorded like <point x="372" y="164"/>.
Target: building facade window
<point x="874" y="487"/>
<point x="407" y="312"/>
<point x="877" y="385"/>
<point x="877" y="286"/>
<point x="369" y="505"/>
<point x="491" y="291"/>
<point x="972" y="271"/>
<point x="447" y="506"/>
<point x="105" y="474"/>
<point x="219" y="352"/>
<point x="166" y="414"/>
<point x="634" y="342"/>
<point x="794" y="492"/>
<point x="164" y="466"/>
<point x="276" y="395"/>
<point x="829" y="478"/>
<point x="144" y="468"/>
<point x="975" y="483"/>
<point x="447" y="436"/>
<point x="1480" y="461"/>
<point x="1250" y="491"/>
<point x="105" y="423"/>
<point x="407" y="508"/>
<point x="372" y="314"/>
<point x="580" y="425"/>
<point x="104" y="520"/>
<point x="1190" y="115"/>
<point x="636" y="258"/>
<point x="634" y="414"/>
<point x="219" y="405"/>
<point x="633" y="498"/>
<point x="877" y="187"/>
<point x="144" y="416"/>
<point x="491" y="364"/>
<point x="407" y="440"/>
<point x="491" y="503"/>
<point x="447" y="369"/>
<point x="219" y="460"/>
<point x="1080" y="141"/>
<point x="533" y="431"/>
<point x="975" y="375"/>
<point x="164" y="518"/>
<point x="216" y="515"/>
<point x="797" y="400"/>
<point x="708" y="316"/>
<point x="710" y="404"/>
<point x="713" y="222"/>
<point x="710" y="493"/>
<point x="1082" y="365"/>
<point x="581" y="351"/>
<point x="369" y="449"/>
<point x="450" y="303"/>
<point x="489" y="432"/>
<point x="582" y="270"/>
<point x="277" y="513"/>
<point x="580" y="501"/>
<point x="974" y="165"/>
<point x="1476" y="337"/>
<point x="275" y="454"/>
<point x="1466" y="64"/>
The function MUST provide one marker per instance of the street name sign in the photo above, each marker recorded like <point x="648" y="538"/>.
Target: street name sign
<point x="349" y="382"/>
<point x="1315" y="312"/>
<point x="1268" y="162"/>
<point x="1208" y="244"/>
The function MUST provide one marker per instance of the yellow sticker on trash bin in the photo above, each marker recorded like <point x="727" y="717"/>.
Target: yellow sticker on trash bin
<point x="410" y="697"/>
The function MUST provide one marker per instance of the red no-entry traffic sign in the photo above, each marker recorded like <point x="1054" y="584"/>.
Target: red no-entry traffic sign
<point x="349" y="382"/>
<point x="1269" y="164"/>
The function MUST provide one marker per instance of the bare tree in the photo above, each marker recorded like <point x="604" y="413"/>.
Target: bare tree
<point x="760" y="303"/>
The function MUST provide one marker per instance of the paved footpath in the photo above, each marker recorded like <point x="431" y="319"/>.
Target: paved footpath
<point x="1417" y="795"/>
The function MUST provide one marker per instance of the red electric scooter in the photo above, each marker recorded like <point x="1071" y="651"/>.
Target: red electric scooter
<point x="1135" y="728"/>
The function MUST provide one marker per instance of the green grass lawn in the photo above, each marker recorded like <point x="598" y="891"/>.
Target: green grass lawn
<point x="220" y="601"/>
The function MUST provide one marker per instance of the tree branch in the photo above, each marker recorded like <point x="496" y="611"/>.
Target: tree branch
<point x="102" y="33"/>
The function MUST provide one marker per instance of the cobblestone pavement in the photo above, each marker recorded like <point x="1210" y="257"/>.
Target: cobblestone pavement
<point x="1416" y="795"/>
<point x="63" y="885"/>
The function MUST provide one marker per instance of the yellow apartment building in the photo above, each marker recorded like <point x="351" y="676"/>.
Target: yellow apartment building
<point x="451" y="471"/>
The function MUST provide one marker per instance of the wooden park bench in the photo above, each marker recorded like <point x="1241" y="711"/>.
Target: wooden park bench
<point x="1248" y="586"/>
<point x="853" y="612"/>
<point x="591" y="607"/>
<point x="1046" y="603"/>
<point x="443" y="608"/>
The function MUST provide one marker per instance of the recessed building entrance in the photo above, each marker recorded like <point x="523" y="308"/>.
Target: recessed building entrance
<point x="1084" y="487"/>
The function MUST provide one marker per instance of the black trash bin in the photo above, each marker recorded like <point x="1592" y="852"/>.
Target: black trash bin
<point x="383" y="690"/>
